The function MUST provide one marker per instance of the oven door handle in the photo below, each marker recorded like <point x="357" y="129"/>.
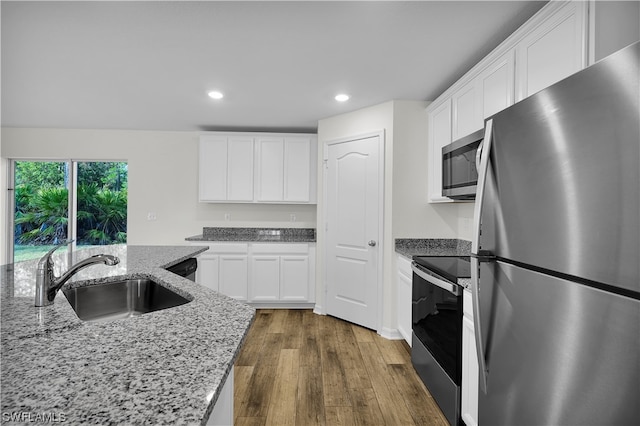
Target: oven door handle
<point x="445" y="285"/>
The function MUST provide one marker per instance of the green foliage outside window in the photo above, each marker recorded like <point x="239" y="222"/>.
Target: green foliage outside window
<point x="42" y="211"/>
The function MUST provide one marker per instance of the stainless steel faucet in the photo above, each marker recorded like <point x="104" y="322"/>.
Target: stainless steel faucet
<point x="47" y="284"/>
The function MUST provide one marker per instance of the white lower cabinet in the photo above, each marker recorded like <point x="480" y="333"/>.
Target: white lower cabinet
<point x="294" y="278"/>
<point x="404" y="276"/>
<point x="208" y="271"/>
<point x="265" y="273"/>
<point x="222" y="414"/>
<point x="469" y="364"/>
<point x="276" y="274"/>
<point x="233" y="277"/>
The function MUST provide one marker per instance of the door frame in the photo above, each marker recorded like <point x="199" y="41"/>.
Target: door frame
<point x="381" y="221"/>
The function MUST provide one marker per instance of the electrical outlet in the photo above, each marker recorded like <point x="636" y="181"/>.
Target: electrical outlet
<point x="151" y="216"/>
<point x="227" y="216"/>
<point x="292" y="217"/>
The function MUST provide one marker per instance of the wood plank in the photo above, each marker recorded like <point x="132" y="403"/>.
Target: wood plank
<point x="366" y="410"/>
<point x="340" y="416"/>
<point x="393" y="407"/>
<point x="282" y="407"/>
<point x="350" y="358"/>
<point x="362" y="334"/>
<point x="293" y="329"/>
<point x="255" y="338"/>
<point x="391" y="352"/>
<point x="310" y="401"/>
<point x="423" y="408"/>
<point x="278" y="318"/>
<point x="260" y="386"/>
<point x="250" y="421"/>
<point x="241" y="379"/>
<point x="334" y="383"/>
<point x="310" y="349"/>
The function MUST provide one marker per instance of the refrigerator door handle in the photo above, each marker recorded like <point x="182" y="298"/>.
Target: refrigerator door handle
<point x="477" y="327"/>
<point x="482" y="177"/>
<point x="475" y="246"/>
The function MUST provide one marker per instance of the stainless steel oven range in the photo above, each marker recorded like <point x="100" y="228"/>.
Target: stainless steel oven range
<point x="436" y="351"/>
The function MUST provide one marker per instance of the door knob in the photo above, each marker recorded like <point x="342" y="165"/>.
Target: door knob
<point x="372" y="243"/>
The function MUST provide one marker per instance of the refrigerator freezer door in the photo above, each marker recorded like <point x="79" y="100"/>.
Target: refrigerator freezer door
<point x="558" y="353"/>
<point x="562" y="187"/>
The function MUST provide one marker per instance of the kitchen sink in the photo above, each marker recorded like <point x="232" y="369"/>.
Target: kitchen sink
<point x="121" y="299"/>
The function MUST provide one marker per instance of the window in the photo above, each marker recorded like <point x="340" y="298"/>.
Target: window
<point x="59" y="200"/>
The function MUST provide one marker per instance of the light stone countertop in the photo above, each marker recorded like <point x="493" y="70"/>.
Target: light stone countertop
<point x="163" y="367"/>
<point x="272" y="235"/>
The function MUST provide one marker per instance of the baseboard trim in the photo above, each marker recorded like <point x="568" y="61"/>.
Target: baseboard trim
<point x="390" y="333"/>
<point x="281" y="305"/>
<point x="319" y="310"/>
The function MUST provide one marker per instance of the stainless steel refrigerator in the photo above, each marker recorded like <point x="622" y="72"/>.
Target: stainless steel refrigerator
<point x="556" y="258"/>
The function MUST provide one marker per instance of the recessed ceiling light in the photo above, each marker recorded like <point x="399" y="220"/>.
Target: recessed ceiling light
<point x="342" y="97"/>
<point x="215" y="94"/>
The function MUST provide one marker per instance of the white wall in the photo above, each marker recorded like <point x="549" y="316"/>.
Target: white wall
<point x="413" y="216"/>
<point x="163" y="178"/>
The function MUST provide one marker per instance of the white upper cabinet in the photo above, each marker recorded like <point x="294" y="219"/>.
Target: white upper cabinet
<point x="547" y="48"/>
<point x="260" y="168"/>
<point x="497" y="87"/>
<point x="226" y="168"/>
<point x="439" y="136"/>
<point x="466" y="113"/>
<point x="285" y="168"/>
<point x="213" y="168"/>
<point x="240" y="169"/>
<point x="555" y="49"/>
<point x="269" y="169"/>
<point x="299" y="169"/>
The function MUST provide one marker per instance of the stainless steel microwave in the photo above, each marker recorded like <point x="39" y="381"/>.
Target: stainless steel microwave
<point x="459" y="169"/>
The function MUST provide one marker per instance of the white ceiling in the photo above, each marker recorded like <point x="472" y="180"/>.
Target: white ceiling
<point x="149" y="65"/>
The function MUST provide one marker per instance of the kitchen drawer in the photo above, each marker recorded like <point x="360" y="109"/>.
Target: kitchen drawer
<point x="279" y="248"/>
<point x="229" y="247"/>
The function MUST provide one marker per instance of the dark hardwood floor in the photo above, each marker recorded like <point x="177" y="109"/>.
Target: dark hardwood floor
<point x="299" y="368"/>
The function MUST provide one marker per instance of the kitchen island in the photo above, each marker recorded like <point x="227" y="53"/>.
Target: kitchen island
<point x="163" y="367"/>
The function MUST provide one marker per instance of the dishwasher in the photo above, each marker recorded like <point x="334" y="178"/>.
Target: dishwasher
<point x="186" y="268"/>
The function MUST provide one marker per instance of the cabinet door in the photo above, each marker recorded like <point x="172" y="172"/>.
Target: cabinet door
<point x="552" y="51"/>
<point x="403" y="279"/>
<point x="439" y="136"/>
<point x="269" y="169"/>
<point x="466" y="114"/>
<point x="294" y="280"/>
<point x="469" y="387"/>
<point x="297" y="169"/>
<point x="213" y="168"/>
<point x="207" y="272"/>
<point x="240" y="169"/>
<point x="233" y="277"/>
<point x="265" y="278"/>
<point x="497" y="86"/>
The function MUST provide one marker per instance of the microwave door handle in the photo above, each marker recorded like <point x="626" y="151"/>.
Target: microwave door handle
<point x="475" y="271"/>
<point x="479" y="155"/>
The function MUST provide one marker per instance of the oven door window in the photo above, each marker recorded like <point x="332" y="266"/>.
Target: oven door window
<point x="437" y="323"/>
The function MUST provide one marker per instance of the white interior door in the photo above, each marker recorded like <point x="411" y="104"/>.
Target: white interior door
<point x="353" y="197"/>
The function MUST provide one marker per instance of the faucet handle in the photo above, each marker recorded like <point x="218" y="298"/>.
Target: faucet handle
<point x="45" y="261"/>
